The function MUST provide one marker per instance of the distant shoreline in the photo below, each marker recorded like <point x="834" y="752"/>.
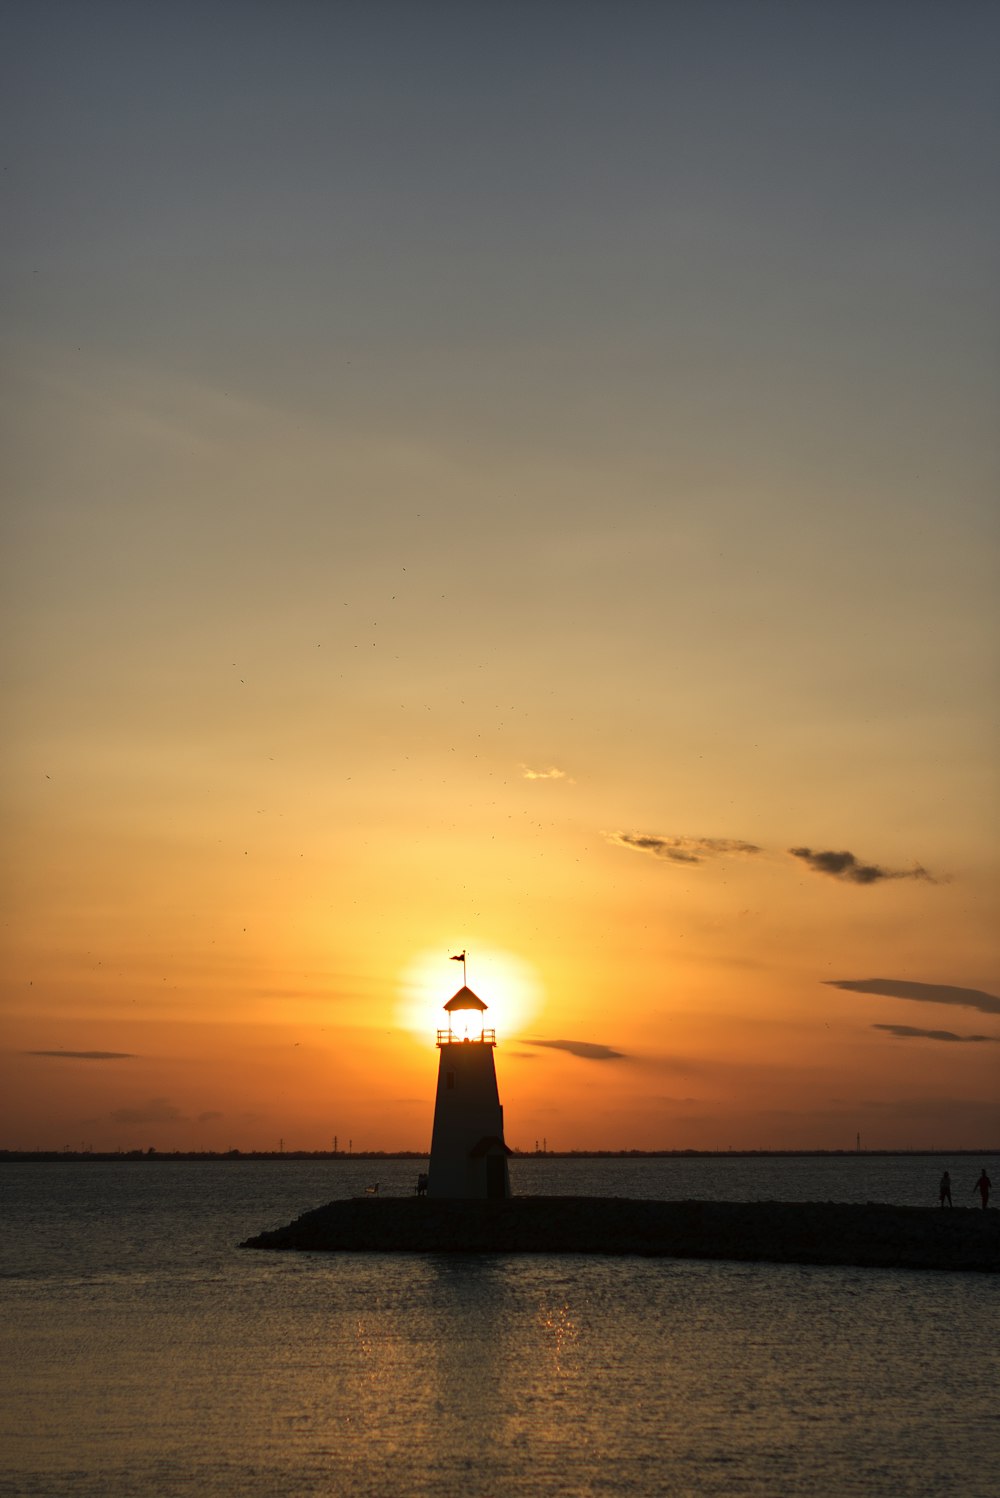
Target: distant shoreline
<point x="44" y="1157"/>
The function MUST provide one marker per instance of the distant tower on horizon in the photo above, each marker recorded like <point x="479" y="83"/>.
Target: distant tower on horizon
<point x="468" y="1153"/>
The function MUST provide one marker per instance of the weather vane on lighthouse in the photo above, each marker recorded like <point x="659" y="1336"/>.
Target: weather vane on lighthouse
<point x="468" y="1153"/>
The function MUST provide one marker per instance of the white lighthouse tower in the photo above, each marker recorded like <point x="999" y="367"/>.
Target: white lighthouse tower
<point x="468" y="1153"/>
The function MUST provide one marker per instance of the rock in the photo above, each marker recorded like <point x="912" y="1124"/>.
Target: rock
<point x="869" y="1236"/>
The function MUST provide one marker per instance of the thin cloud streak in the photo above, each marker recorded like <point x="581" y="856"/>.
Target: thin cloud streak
<point x="85" y="1055"/>
<point x="157" y="1111"/>
<point x="586" y="1050"/>
<point x="907" y="1031"/>
<point x="685" y="850"/>
<point x="844" y="865"/>
<point x="921" y="993"/>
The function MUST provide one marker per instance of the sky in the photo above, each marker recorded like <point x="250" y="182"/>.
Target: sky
<point x="505" y="477"/>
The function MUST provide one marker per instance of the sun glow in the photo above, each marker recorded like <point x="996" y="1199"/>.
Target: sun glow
<point x="506" y="984"/>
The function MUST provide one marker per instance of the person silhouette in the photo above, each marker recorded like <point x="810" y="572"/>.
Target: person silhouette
<point x="944" y="1189"/>
<point x="983" y="1187"/>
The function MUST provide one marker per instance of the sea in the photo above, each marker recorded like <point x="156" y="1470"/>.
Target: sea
<point x="145" y="1353"/>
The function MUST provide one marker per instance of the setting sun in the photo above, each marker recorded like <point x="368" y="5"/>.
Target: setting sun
<point x="507" y="985"/>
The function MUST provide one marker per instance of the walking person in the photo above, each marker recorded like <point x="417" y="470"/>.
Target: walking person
<point x="944" y="1190"/>
<point x="983" y="1187"/>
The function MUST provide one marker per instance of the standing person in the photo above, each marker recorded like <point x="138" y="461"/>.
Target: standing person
<point x="983" y="1187"/>
<point x="944" y="1190"/>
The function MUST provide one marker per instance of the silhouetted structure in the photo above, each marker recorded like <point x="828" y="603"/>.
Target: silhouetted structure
<point x="468" y="1153"/>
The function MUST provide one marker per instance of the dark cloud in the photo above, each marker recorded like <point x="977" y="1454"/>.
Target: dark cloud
<point x="157" y="1110"/>
<point x="585" y="1049"/>
<point x="85" y="1055"/>
<point x="680" y="849"/>
<point x="906" y="1031"/>
<point x="209" y="1116"/>
<point x="844" y="865"/>
<point x="838" y="864"/>
<point x="921" y="993"/>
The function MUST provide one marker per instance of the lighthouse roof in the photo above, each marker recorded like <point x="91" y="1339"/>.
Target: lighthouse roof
<point x="490" y="1144"/>
<point x="465" y="999"/>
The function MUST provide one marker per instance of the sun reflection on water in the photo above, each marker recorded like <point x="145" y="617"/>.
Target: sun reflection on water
<point x="559" y="1334"/>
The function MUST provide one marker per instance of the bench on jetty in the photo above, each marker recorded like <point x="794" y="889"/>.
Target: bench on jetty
<point x="873" y="1235"/>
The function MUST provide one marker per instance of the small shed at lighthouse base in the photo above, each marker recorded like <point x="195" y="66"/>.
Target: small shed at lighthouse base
<point x="479" y="1174"/>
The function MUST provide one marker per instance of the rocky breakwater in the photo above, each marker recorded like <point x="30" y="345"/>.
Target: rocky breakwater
<point x="870" y="1236"/>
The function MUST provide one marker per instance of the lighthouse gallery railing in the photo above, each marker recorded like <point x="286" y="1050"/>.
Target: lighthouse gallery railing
<point x="448" y="1037"/>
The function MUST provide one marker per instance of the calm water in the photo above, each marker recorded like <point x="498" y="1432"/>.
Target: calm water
<point x="145" y="1354"/>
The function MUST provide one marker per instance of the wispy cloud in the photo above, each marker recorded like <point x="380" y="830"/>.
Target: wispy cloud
<point x="585" y="1049"/>
<point x="836" y="864"/>
<point x="552" y="773"/>
<point x="85" y="1055"/>
<point x="908" y="1031"/>
<point x="921" y="993"/>
<point x="209" y="1116"/>
<point x="157" y="1110"/>
<point x="681" y="849"/>
<point x="844" y="865"/>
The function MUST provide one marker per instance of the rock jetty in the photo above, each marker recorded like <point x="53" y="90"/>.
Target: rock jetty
<point x="869" y="1236"/>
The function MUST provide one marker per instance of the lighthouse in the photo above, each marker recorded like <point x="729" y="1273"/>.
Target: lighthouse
<point x="468" y="1153"/>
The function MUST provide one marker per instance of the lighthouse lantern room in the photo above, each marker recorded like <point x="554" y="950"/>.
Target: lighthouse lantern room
<point x="468" y="1153"/>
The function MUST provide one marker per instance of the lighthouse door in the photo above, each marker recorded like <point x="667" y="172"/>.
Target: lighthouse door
<point x="496" y="1185"/>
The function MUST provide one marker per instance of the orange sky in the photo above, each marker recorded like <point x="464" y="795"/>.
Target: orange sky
<point x="566" y="532"/>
